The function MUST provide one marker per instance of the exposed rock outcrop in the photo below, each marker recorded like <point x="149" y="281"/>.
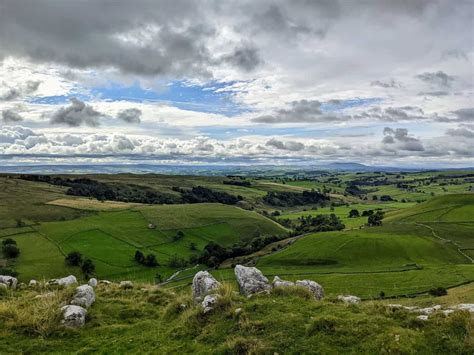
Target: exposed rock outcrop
<point x="277" y="282"/>
<point x="251" y="280"/>
<point x="349" y="299"/>
<point x="126" y="285"/>
<point x="65" y="281"/>
<point x="92" y="282"/>
<point x="203" y="284"/>
<point x="84" y="296"/>
<point x="10" y="281"/>
<point x="73" y="316"/>
<point x="209" y="302"/>
<point x="313" y="286"/>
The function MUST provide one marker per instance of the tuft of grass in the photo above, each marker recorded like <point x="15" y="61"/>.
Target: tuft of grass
<point x="243" y="346"/>
<point x="302" y="292"/>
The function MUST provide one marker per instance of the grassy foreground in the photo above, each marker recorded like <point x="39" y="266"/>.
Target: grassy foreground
<point x="149" y="319"/>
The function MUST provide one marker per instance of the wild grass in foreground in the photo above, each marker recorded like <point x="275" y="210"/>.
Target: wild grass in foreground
<point x="151" y="319"/>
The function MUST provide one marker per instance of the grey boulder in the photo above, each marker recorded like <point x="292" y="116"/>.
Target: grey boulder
<point x="349" y="299"/>
<point x="203" y="284"/>
<point x="73" y="316"/>
<point x="64" y="281"/>
<point x="315" y="288"/>
<point x="92" y="282"/>
<point x="10" y="281"/>
<point x="251" y="280"/>
<point x="209" y="302"/>
<point x="277" y="282"/>
<point x="84" y="296"/>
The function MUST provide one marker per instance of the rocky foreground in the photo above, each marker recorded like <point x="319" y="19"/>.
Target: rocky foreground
<point x="258" y="317"/>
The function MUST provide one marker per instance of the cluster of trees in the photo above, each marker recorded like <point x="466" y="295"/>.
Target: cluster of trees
<point x="10" y="249"/>
<point x="319" y="223"/>
<point x="286" y="198"/>
<point x="243" y="183"/>
<point x="75" y="258"/>
<point x="200" y="194"/>
<point x="375" y="219"/>
<point x="149" y="260"/>
<point x="213" y="253"/>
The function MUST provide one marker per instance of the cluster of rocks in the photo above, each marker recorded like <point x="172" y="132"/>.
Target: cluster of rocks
<point x="8" y="282"/>
<point x="74" y="314"/>
<point x="251" y="282"/>
<point x="424" y="313"/>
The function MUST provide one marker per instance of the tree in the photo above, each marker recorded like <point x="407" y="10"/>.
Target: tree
<point x="150" y="260"/>
<point x="178" y="236"/>
<point x="354" y="213"/>
<point x="88" y="267"/>
<point x="11" y="250"/>
<point x="139" y="257"/>
<point x="192" y="246"/>
<point x="8" y="241"/>
<point x="375" y="219"/>
<point x="74" y="258"/>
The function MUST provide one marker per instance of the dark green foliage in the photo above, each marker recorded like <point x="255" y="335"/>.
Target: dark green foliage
<point x="74" y="258"/>
<point x="375" y="219"/>
<point x="88" y="267"/>
<point x="200" y="194"/>
<point x="9" y="272"/>
<point x="177" y="262"/>
<point x="243" y="183"/>
<point x="179" y="235"/>
<point x="149" y="260"/>
<point x="286" y="198"/>
<point x="139" y="257"/>
<point x="11" y="251"/>
<point x="386" y="198"/>
<point x="320" y="223"/>
<point x="367" y="213"/>
<point x="354" y="213"/>
<point x="438" y="291"/>
<point x="8" y="241"/>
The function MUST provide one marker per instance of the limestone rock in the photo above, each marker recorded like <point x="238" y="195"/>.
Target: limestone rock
<point x="84" y="296"/>
<point x="105" y="282"/>
<point x="209" y="302"/>
<point x="203" y="284"/>
<point x="33" y="283"/>
<point x="422" y="317"/>
<point x="277" y="282"/>
<point x="92" y="282"/>
<point x="10" y="281"/>
<point x="126" y="285"/>
<point x="349" y="299"/>
<point x="427" y="310"/>
<point x="313" y="286"/>
<point x="465" y="306"/>
<point x="65" y="281"/>
<point x="73" y="316"/>
<point x="251" y="280"/>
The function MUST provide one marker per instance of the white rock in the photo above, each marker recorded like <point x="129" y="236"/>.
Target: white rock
<point x="410" y="308"/>
<point x="10" y="281"/>
<point x="73" y="316"/>
<point x="447" y="312"/>
<point x="313" y="286"/>
<point x="105" y="282"/>
<point x="203" y="284"/>
<point x="251" y="280"/>
<point x="33" y="283"/>
<point x="277" y="282"/>
<point x="84" y="296"/>
<point x="465" y="306"/>
<point x="126" y="284"/>
<point x="422" y="317"/>
<point x="238" y="311"/>
<point x="349" y="299"/>
<point x="46" y="295"/>
<point x="428" y="310"/>
<point x="394" y="305"/>
<point x="65" y="281"/>
<point x="92" y="282"/>
<point x="209" y="302"/>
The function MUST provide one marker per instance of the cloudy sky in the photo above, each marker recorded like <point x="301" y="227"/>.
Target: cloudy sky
<point x="237" y="82"/>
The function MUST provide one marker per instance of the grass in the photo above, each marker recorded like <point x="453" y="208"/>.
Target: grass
<point x="149" y="319"/>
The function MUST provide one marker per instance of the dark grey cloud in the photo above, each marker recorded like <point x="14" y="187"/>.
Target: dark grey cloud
<point x="386" y="83"/>
<point x="288" y="145"/>
<point x="438" y="78"/>
<point x="302" y="111"/>
<point x="130" y="115"/>
<point x="399" y="139"/>
<point x="8" y="93"/>
<point x="434" y="93"/>
<point x="76" y="114"/>
<point x="9" y="116"/>
<point x="465" y="114"/>
<point x="393" y="114"/>
<point x="460" y="132"/>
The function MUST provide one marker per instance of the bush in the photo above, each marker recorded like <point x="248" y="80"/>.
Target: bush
<point x="438" y="291"/>
<point x="139" y="257"/>
<point x="9" y="272"/>
<point x="10" y="251"/>
<point x="88" y="267"/>
<point x="8" y="241"/>
<point x="74" y="258"/>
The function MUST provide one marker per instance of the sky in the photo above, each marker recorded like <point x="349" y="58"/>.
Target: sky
<point x="300" y="82"/>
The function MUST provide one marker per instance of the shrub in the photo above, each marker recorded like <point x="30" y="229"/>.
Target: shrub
<point x="74" y="258"/>
<point x="438" y="291"/>
<point x="139" y="257"/>
<point x="8" y="241"/>
<point x="88" y="267"/>
<point x="11" y="251"/>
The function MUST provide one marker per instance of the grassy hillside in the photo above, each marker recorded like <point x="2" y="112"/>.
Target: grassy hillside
<point x="148" y="319"/>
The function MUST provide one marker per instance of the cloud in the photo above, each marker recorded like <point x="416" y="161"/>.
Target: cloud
<point x="9" y="116"/>
<point x="392" y="83"/>
<point x="76" y="114"/>
<point x="302" y="111"/>
<point x="461" y="132"/>
<point x="465" y="114"/>
<point x="438" y="78"/>
<point x="399" y="139"/>
<point x="8" y="93"/>
<point x="288" y="145"/>
<point x="130" y="115"/>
